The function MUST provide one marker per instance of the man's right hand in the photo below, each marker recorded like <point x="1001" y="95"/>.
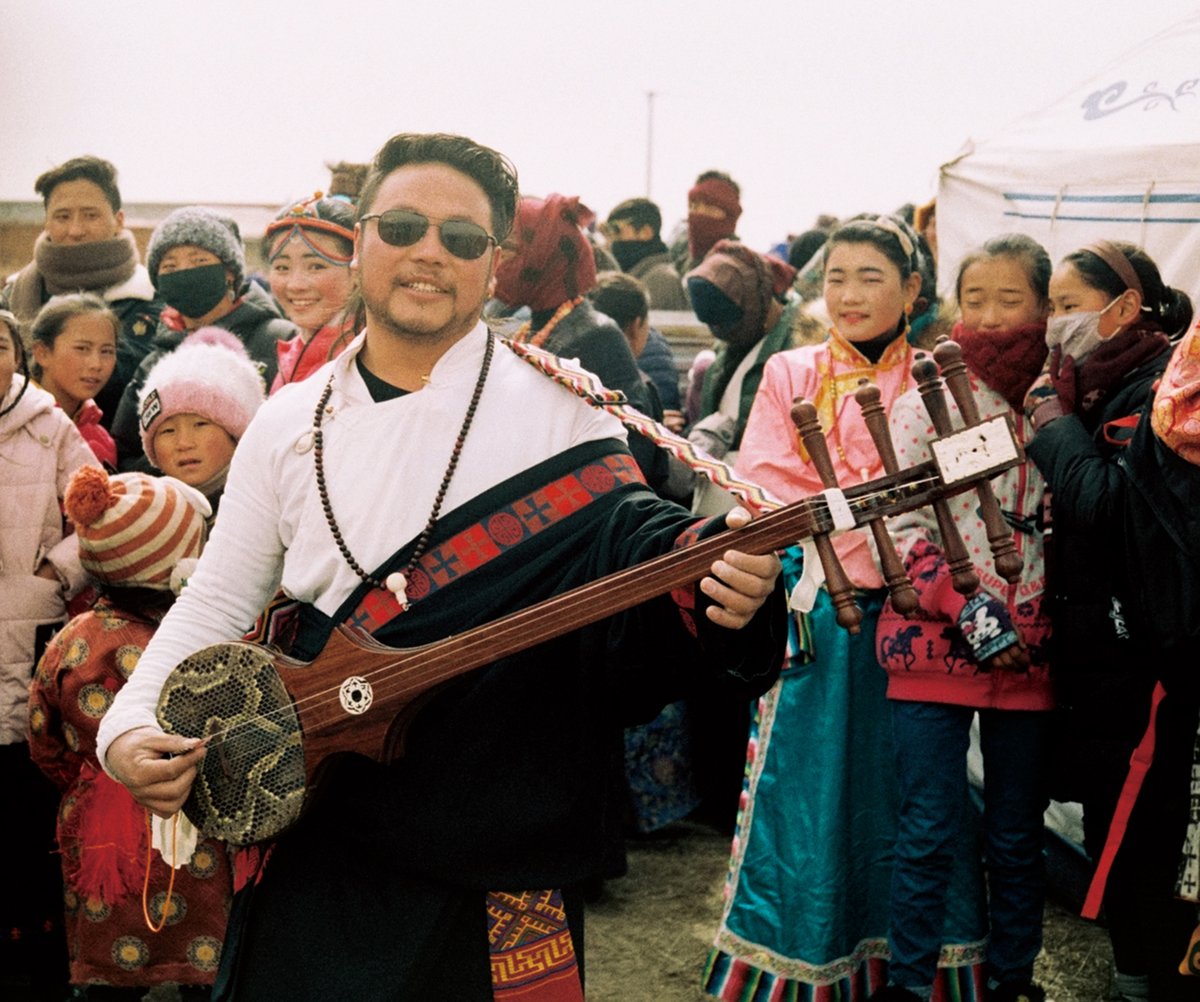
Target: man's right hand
<point x="157" y="768"/>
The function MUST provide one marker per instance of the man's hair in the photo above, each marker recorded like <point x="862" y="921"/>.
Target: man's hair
<point x="720" y="175"/>
<point x="491" y="170"/>
<point x="638" y="212"/>
<point x="621" y="297"/>
<point x="88" y="168"/>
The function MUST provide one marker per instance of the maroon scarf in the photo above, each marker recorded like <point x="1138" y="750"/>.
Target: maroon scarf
<point x="1006" y="361"/>
<point x="1105" y="367"/>
<point x="704" y="231"/>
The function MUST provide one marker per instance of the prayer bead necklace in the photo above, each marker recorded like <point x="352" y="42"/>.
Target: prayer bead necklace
<point x="397" y="581"/>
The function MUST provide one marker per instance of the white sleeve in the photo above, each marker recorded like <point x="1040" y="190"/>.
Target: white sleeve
<point x="238" y="574"/>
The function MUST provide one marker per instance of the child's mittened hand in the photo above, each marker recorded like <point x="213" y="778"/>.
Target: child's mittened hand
<point x="988" y="628"/>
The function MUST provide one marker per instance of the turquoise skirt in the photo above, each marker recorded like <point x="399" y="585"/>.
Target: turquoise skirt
<point x="807" y="895"/>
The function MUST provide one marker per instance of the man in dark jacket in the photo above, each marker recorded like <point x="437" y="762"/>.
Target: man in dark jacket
<point x="634" y="237"/>
<point x="84" y="246"/>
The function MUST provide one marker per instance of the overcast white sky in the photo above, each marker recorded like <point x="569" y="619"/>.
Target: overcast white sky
<point x="840" y="106"/>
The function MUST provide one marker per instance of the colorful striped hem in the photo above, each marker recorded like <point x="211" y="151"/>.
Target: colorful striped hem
<point x="733" y="979"/>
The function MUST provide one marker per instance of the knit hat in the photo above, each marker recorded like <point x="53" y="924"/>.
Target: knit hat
<point x="134" y="529"/>
<point x="705" y="230"/>
<point x="209" y="374"/>
<point x="196" y="226"/>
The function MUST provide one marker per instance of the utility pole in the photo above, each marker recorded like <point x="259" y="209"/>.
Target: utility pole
<point x="649" y="139"/>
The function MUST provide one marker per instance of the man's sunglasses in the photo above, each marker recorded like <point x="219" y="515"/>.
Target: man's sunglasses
<point x="403" y="228"/>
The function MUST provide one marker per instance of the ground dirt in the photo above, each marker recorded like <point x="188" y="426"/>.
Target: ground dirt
<point x="648" y="933"/>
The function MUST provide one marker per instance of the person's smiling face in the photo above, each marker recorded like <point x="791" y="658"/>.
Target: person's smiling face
<point x="864" y="291"/>
<point x="422" y="292"/>
<point x="996" y="295"/>
<point x="310" y="288"/>
<point x="80" y="361"/>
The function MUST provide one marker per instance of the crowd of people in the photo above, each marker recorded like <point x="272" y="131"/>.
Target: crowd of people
<point x="444" y="402"/>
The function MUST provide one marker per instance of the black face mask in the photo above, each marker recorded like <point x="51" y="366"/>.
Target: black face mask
<point x="629" y="252"/>
<point x="194" y="291"/>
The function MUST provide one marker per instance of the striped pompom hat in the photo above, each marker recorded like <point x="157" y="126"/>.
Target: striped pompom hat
<point x="133" y="528"/>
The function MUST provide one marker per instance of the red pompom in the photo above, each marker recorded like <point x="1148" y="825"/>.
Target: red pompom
<point x="89" y="495"/>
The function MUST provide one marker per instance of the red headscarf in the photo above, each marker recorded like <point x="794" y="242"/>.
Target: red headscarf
<point x="552" y="260"/>
<point x="704" y="231"/>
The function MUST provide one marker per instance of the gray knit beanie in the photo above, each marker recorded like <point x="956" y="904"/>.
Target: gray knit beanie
<point x="197" y="226"/>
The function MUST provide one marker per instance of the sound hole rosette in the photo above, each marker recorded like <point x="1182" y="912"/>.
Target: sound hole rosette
<point x="250" y="784"/>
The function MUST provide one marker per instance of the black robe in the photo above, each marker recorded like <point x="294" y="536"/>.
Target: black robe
<point x="378" y="890"/>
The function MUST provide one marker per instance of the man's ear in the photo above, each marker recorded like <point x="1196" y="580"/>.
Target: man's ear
<point x="357" y="249"/>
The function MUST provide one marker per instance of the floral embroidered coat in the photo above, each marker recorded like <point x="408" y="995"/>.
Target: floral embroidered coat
<point x="102" y="831"/>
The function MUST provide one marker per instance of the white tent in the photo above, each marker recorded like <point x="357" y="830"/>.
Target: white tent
<point x="1118" y="157"/>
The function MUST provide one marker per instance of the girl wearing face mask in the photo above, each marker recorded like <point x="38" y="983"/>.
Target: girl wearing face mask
<point x="943" y="670"/>
<point x="1120" y="524"/>
<point x="807" y="908"/>
<point x="308" y="248"/>
<point x="198" y="266"/>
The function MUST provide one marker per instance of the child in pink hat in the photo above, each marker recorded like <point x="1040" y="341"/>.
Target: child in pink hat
<point x="195" y="406"/>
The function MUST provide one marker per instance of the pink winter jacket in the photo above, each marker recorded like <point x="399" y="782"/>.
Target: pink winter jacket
<point x="39" y="450"/>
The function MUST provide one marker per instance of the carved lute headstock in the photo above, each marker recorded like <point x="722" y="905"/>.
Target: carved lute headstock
<point x="960" y="460"/>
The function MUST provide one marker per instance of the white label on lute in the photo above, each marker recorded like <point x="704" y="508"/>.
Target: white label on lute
<point x="975" y="452"/>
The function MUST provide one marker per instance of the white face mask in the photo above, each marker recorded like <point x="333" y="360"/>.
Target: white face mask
<point x="1078" y="334"/>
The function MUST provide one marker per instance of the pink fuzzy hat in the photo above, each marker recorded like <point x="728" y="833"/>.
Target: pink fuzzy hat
<point x="209" y="374"/>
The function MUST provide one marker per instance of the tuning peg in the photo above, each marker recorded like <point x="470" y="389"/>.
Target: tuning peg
<point x="841" y="590"/>
<point x="904" y="596"/>
<point x="948" y="355"/>
<point x="962" y="570"/>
